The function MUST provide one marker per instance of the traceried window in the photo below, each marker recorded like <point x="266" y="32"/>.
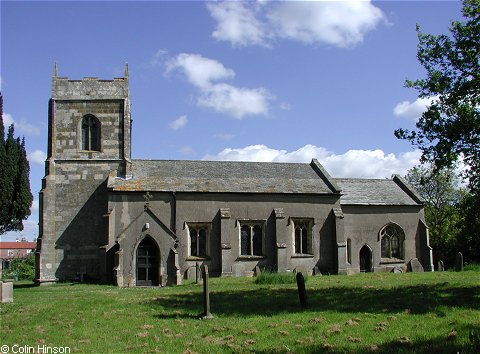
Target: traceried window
<point x="302" y="236"/>
<point x="90" y="133"/>
<point x="199" y="234"/>
<point x="251" y="238"/>
<point x="392" y="240"/>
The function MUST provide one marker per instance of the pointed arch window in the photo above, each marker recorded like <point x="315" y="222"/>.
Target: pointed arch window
<point x="90" y="133"/>
<point x="251" y="238"/>
<point x="199" y="239"/>
<point x="392" y="240"/>
<point x="302" y="237"/>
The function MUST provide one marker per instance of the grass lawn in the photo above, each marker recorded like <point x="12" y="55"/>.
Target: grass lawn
<point x="383" y="313"/>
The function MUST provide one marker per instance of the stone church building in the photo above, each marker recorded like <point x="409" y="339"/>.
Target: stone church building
<point x="107" y="218"/>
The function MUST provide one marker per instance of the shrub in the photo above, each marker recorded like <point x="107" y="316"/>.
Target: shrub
<point x="21" y="268"/>
<point x="473" y="267"/>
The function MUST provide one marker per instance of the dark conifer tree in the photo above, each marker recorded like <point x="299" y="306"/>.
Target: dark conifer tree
<point x="3" y="156"/>
<point x="15" y="195"/>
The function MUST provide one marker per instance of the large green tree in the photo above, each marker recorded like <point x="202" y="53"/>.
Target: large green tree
<point x="443" y="194"/>
<point x="15" y="196"/>
<point x="449" y="130"/>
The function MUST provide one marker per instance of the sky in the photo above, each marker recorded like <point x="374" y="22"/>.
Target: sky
<point x="283" y="81"/>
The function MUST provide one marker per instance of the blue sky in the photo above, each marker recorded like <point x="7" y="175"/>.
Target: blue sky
<point x="256" y="81"/>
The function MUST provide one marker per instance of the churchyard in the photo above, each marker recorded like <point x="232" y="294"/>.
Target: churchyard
<point x="376" y="312"/>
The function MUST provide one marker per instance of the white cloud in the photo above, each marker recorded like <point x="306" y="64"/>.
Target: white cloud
<point x="237" y="102"/>
<point x="7" y="119"/>
<point x="35" y="207"/>
<point x="205" y="74"/>
<point x="236" y="22"/>
<point x="179" y="122"/>
<point x="159" y="57"/>
<point x="339" y="23"/>
<point x="413" y="110"/>
<point x="200" y="71"/>
<point x="37" y="156"/>
<point x="353" y="163"/>
<point x="21" y="126"/>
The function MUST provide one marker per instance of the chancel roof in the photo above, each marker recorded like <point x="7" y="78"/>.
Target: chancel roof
<point x="376" y="192"/>
<point x="225" y="177"/>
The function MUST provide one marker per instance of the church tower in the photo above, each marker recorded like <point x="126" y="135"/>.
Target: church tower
<point x="89" y="138"/>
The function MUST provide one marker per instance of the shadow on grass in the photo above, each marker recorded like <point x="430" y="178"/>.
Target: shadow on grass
<point x="263" y="301"/>
<point x="400" y="345"/>
<point x="24" y="285"/>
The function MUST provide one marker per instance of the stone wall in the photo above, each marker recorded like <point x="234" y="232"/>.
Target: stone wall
<point x="362" y="224"/>
<point x="73" y="199"/>
<point x="169" y="214"/>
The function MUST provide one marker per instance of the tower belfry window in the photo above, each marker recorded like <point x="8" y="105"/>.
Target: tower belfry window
<point x="90" y="133"/>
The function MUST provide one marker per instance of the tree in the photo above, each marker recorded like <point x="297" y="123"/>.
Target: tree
<point x="449" y="130"/>
<point x="443" y="194"/>
<point x="15" y="196"/>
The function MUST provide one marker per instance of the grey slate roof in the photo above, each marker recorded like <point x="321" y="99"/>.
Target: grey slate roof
<point x="223" y="176"/>
<point x="376" y="192"/>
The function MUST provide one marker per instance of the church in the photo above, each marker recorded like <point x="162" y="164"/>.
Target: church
<point x="105" y="217"/>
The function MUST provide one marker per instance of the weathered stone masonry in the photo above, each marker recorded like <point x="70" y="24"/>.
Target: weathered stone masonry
<point x="106" y="218"/>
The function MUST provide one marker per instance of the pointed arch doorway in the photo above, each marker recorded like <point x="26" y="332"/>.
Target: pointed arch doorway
<point x="366" y="259"/>
<point x="148" y="259"/>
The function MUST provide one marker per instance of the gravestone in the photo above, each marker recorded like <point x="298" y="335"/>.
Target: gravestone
<point x="190" y="273"/>
<point x="206" y="295"/>
<point x="302" y="293"/>
<point x="459" y="262"/>
<point x="197" y="272"/>
<point x="82" y="273"/>
<point x="6" y="292"/>
<point x="316" y="271"/>
<point x="397" y="270"/>
<point x="440" y="266"/>
<point x="415" y="266"/>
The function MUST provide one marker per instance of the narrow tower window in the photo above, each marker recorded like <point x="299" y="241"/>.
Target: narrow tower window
<point x="90" y="133"/>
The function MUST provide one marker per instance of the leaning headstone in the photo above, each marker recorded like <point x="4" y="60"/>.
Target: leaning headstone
<point x="459" y="262"/>
<point x="302" y="293"/>
<point x="415" y="266"/>
<point x="6" y="292"/>
<point x="316" y="271"/>
<point x="440" y="266"/>
<point x="206" y="295"/>
<point x="397" y="270"/>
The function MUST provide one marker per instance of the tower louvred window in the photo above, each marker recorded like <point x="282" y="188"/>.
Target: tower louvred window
<point x="90" y="133"/>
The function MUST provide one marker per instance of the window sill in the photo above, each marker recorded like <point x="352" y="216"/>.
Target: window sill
<point x="391" y="260"/>
<point x="249" y="258"/>
<point x="195" y="258"/>
<point x="302" y="255"/>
